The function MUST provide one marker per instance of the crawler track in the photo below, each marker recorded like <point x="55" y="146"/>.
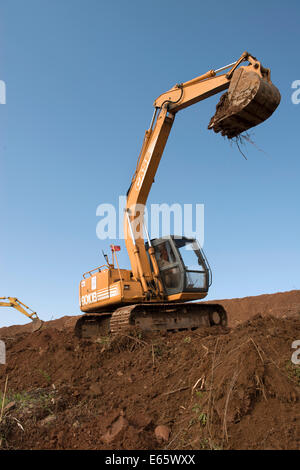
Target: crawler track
<point x="151" y="317"/>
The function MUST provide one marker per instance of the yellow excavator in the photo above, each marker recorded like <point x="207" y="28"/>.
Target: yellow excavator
<point x="169" y="273"/>
<point x="18" y="305"/>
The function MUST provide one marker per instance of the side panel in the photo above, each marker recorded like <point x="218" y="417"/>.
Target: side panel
<point x="104" y="289"/>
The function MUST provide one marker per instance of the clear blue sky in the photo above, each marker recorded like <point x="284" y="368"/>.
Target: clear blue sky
<point x="81" y="78"/>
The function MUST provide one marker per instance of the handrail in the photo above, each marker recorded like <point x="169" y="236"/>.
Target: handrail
<point x="96" y="269"/>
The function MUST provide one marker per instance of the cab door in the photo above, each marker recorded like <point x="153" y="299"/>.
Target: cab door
<point x="169" y="265"/>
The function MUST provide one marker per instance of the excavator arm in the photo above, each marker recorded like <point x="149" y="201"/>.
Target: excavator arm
<point x="251" y="99"/>
<point x="18" y="305"/>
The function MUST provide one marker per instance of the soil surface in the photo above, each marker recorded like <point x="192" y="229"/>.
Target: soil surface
<point x="232" y="387"/>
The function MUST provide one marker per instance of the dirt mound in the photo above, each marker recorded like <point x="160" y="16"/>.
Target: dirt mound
<point x="59" y="324"/>
<point x="280" y="305"/>
<point x="216" y="388"/>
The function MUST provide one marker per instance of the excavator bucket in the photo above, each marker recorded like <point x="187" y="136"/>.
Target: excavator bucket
<point x="249" y="101"/>
<point x="36" y="324"/>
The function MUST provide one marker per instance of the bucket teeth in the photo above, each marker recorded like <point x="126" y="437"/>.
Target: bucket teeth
<point x="250" y="100"/>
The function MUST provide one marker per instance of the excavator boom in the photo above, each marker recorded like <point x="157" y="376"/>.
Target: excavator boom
<point x="251" y="98"/>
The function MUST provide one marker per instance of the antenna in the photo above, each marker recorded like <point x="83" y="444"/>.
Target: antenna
<point x="105" y="257"/>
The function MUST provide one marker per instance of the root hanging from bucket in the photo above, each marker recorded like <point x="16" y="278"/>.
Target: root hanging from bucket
<point x="242" y="140"/>
<point x="239" y="141"/>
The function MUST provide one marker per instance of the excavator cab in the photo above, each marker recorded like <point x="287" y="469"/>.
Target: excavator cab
<point x="182" y="264"/>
